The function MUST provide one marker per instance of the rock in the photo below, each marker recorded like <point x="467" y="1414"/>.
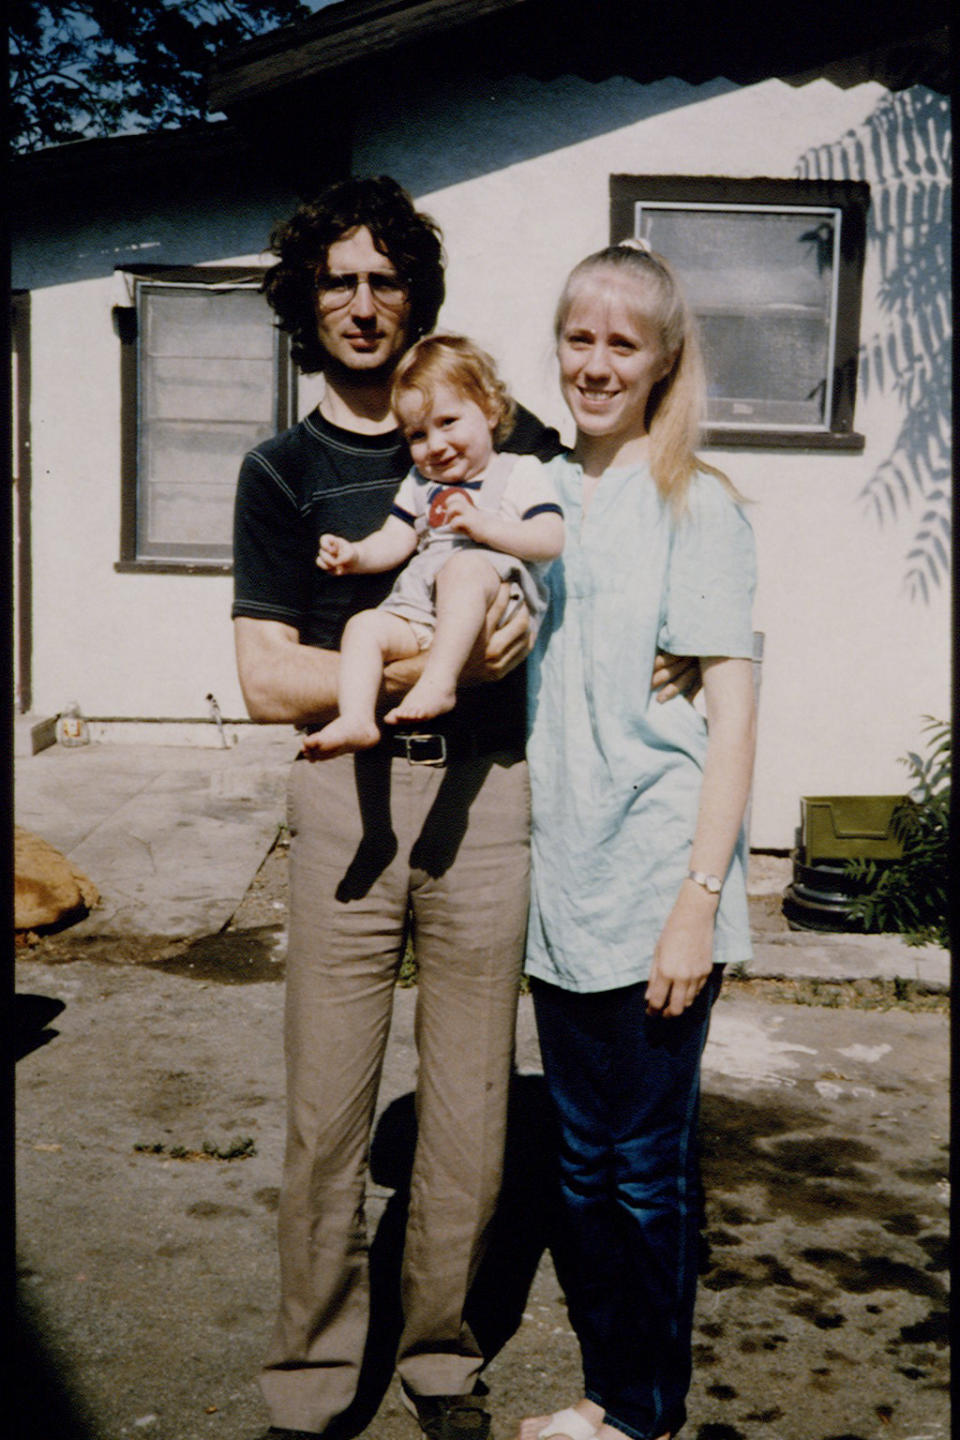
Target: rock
<point x="49" y="892"/>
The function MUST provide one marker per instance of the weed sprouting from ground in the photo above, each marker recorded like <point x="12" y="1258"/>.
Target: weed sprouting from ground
<point x="240" y="1149"/>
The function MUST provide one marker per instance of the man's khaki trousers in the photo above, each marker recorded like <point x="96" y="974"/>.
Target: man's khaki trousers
<point x="378" y="845"/>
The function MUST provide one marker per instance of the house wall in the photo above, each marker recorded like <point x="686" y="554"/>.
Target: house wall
<point x="852" y="664"/>
<point x="517" y="174"/>
<point x="121" y="645"/>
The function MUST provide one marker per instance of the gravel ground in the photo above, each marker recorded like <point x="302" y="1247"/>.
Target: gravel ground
<point x="149" y="1146"/>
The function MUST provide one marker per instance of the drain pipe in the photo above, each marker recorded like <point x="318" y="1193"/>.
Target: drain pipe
<point x="217" y="719"/>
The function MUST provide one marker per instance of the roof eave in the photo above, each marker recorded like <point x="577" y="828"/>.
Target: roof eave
<point x="335" y="38"/>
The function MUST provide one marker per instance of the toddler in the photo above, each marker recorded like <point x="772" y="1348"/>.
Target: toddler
<point x="474" y="518"/>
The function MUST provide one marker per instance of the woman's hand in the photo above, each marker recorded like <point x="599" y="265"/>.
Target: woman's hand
<point x="683" y="958"/>
<point x="337" y="555"/>
<point x="684" y="952"/>
<point x="675" y="675"/>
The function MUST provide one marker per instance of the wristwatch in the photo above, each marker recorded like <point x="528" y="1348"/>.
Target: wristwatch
<point x="711" y="883"/>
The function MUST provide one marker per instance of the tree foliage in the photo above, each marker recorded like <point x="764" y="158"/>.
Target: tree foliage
<point x="104" y="67"/>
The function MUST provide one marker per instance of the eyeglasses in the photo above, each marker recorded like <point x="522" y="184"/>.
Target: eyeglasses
<point x="335" y="291"/>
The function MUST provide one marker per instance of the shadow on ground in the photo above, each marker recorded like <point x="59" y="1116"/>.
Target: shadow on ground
<point x="47" y="1403"/>
<point x="522" y="1230"/>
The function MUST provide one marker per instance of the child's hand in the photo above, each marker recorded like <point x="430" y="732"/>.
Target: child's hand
<point x="463" y="516"/>
<point x="442" y="508"/>
<point x="337" y="555"/>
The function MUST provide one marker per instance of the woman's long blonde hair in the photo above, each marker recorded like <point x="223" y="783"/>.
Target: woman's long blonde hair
<point x="677" y="404"/>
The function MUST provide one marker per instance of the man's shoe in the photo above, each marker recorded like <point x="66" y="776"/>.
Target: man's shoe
<point x="448" y="1417"/>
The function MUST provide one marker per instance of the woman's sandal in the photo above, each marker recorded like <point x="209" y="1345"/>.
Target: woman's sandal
<point x="569" y="1423"/>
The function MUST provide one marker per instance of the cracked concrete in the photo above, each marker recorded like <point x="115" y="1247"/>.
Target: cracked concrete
<point x="153" y="1030"/>
<point x="170" y="834"/>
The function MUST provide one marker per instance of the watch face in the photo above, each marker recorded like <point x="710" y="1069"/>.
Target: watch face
<point x="713" y="884"/>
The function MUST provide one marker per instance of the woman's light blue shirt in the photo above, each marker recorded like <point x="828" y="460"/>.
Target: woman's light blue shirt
<point x="616" y="777"/>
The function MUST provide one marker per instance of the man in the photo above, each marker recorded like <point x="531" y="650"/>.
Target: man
<point x="425" y="834"/>
<point x="427" y="830"/>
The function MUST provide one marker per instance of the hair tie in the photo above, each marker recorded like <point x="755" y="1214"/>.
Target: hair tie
<point x="635" y="242"/>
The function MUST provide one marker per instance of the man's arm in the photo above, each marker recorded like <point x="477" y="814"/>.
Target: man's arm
<point x="284" y="682"/>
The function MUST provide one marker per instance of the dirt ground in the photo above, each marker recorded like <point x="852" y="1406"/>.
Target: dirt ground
<point x="150" y="1138"/>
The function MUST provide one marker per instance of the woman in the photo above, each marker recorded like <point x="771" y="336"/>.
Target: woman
<point x="638" y="892"/>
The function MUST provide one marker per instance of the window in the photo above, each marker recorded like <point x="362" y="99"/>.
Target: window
<point x="773" y="270"/>
<point x="206" y="375"/>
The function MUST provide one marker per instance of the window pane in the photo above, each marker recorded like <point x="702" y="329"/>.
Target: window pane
<point x="205" y="322"/>
<point x="762" y="283"/>
<point x="216" y="389"/>
<point x="187" y="490"/>
<point x="207" y="394"/>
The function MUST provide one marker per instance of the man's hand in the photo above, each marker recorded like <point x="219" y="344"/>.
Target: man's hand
<point x="337" y="555"/>
<point x="498" y="651"/>
<point x="675" y="675"/>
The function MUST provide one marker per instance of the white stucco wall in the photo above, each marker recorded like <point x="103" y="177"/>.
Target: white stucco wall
<point x="518" y="178"/>
<point x="121" y="645"/>
<point x="851" y="664"/>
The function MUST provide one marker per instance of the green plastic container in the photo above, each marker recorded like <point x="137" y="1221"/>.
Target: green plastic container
<point x="848" y="827"/>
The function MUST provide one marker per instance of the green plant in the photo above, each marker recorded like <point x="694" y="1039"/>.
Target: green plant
<point x="910" y="894"/>
<point x="233" y="1150"/>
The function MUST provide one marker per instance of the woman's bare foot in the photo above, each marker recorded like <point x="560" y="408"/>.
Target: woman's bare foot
<point x="587" y="1413"/>
<point x="341" y="737"/>
<point x="610" y="1432"/>
<point x="427" y="698"/>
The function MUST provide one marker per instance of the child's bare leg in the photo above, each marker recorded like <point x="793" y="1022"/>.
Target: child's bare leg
<point x="371" y="640"/>
<point x="465" y="590"/>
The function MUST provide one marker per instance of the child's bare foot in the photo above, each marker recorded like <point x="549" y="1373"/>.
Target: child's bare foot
<point x="579" y="1422"/>
<point x="427" y="698"/>
<point x="341" y="737"/>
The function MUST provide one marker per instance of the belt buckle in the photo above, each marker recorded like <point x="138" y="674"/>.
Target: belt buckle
<point x="434" y="742"/>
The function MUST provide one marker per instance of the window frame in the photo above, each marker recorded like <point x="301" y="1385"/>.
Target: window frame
<point x="852" y="199"/>
<point x="127" y="326"/>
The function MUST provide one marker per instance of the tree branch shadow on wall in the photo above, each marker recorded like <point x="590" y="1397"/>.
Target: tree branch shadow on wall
<point x="904" y="150"/>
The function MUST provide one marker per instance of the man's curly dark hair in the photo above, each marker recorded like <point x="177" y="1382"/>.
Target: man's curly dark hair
<point x="408" y="238"/>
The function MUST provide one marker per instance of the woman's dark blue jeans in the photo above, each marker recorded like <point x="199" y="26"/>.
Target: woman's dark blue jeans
<point x="626" y="1088"/>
